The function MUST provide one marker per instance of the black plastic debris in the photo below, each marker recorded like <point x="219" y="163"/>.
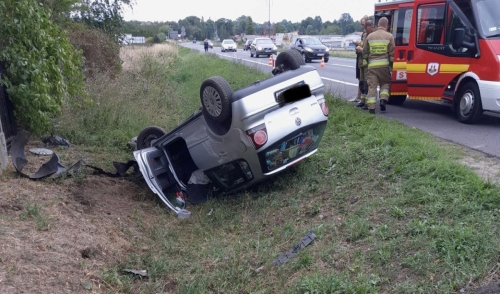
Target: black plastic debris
<point x="284" y="257"/>
<point x="54" y="167"/>
<point x="55" y="140"/>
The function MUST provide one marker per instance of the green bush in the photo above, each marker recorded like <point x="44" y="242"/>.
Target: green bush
<point x="42" y="67"/>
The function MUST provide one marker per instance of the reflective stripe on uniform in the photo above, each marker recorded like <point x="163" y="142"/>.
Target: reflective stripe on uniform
<point x="371" y="100"/>
<point x="378" y="62"/>
<point x="378" y="46"/>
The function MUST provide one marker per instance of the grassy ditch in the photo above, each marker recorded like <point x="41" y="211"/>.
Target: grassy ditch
<point x="392" y="209"/>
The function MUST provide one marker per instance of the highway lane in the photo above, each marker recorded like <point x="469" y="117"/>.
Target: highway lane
<point x="438" y="120"/>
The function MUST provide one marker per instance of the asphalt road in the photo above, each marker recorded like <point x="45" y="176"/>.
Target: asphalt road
<point x="438" y="120"/>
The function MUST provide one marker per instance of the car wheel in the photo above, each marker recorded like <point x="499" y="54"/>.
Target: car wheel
<point x="215" y="95"/>
<point x="148" y="136"/>
<point x="251" y="54"/>
<point x="468" y="106"/>
<point x="326" y="60"/>
<point x="397" y="100"/>
<point x="289" y="60"/>
<point x="256" y="55"/>
<point x="305" y="58"/>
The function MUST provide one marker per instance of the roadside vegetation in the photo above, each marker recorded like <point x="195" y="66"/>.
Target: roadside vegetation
<point x="392" y="209"/>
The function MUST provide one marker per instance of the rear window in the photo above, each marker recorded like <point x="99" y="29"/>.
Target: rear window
<point x="231" y="175"/>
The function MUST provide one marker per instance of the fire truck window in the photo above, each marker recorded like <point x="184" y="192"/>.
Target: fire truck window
<point x="430" y="24"/>
<point x="455" y="22"/>
<point x="401" y="31"/>
<point x="489" y="12"/>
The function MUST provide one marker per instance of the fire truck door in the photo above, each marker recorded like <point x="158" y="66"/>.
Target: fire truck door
<point x="428" y="65"/>
<point x="400" y="29"/>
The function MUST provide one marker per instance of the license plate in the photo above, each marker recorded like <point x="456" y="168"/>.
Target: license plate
<point x="294" y="94"/>
<point x="321" y="54"/>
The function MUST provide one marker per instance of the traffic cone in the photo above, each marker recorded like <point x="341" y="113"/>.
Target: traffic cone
<point x="271" y="61"/>
<point x="322" y="62"/>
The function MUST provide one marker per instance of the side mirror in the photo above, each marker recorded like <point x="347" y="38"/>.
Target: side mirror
<point x="458" y="39"/>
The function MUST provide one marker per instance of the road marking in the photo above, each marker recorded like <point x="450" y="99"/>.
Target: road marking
<point x="340" y="82"/>
<point x="260" y="63"/>
<point x="335" y="64"/>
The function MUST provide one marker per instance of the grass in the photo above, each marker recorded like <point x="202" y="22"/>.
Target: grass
<point x="393" y="211"/>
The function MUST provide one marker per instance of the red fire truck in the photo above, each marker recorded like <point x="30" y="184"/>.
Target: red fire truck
<point x="446" y="51"/>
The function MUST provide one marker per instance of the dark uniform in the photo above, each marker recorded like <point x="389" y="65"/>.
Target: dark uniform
<point x="363" y="85"/>
<point x="379" y="55"/>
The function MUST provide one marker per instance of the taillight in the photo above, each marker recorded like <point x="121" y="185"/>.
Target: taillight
<point x="258" y="136"/>
<point x="324" y="106"/>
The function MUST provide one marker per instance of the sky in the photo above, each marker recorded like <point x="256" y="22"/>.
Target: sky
<point x="260" y="10"/>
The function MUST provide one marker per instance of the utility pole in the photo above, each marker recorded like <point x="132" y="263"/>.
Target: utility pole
<point x="269" y="18"/>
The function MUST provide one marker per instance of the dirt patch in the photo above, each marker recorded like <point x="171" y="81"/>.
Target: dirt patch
<point x="58" y="235"/>
<point x="487" y="167"/>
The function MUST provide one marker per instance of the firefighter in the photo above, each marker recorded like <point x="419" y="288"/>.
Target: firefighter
<point x="362" y="64"/>
<point x="379" y="54"/>
<point x="359" y="58"/>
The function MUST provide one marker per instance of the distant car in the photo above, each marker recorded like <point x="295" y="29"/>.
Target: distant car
<point x="236" y="139"/>
<point x="247" y="44"/>
<point x="228" y="45"/>
<point x="262" y="46"/>
<point x="311" y="48"/>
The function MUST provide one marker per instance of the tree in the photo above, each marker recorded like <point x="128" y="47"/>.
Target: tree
<point x="344" y="21"/>
<point x="43" y="68"/>
<point x="279" y="28"/>
<point x="317" y="23"/>
<point x="249" y="27"/>
<point x="105" y="15"/>
<point x="240" y="25"/>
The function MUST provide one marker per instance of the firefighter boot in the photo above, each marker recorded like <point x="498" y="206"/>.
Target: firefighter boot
<point x="382" y="105"/>
<point x="371" y="111"/>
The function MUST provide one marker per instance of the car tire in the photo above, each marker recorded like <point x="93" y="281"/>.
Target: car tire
<point x="289" y="60"/>
<point x="326" y="60"/>
<point x="147" y="136"/>
<point x="251" y="54"/>
<point x="256" y="55"/>
<point x="215" y="96"/>
<point x="468" y="106"/>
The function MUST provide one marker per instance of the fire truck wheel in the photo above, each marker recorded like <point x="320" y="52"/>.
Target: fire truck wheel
<point x="397" y="100"/>
<point x="468" y="105"/>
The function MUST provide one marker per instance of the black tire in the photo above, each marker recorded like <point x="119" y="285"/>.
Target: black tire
<point x="289" y="60"/>
<point x="215" y="96"/>
<point x="397" y="100"/>
<point x="256" y="55"/>
<point x="468" y="107"/>
<point x="147" y="136"/>
<point x="251" y="54"/>
<point x="326" y="60"/>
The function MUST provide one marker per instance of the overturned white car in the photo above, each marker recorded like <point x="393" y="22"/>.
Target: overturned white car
<point x="237" y="139"/>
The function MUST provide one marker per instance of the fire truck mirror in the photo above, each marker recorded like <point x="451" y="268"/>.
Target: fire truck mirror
<point x="459" y="39"/>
